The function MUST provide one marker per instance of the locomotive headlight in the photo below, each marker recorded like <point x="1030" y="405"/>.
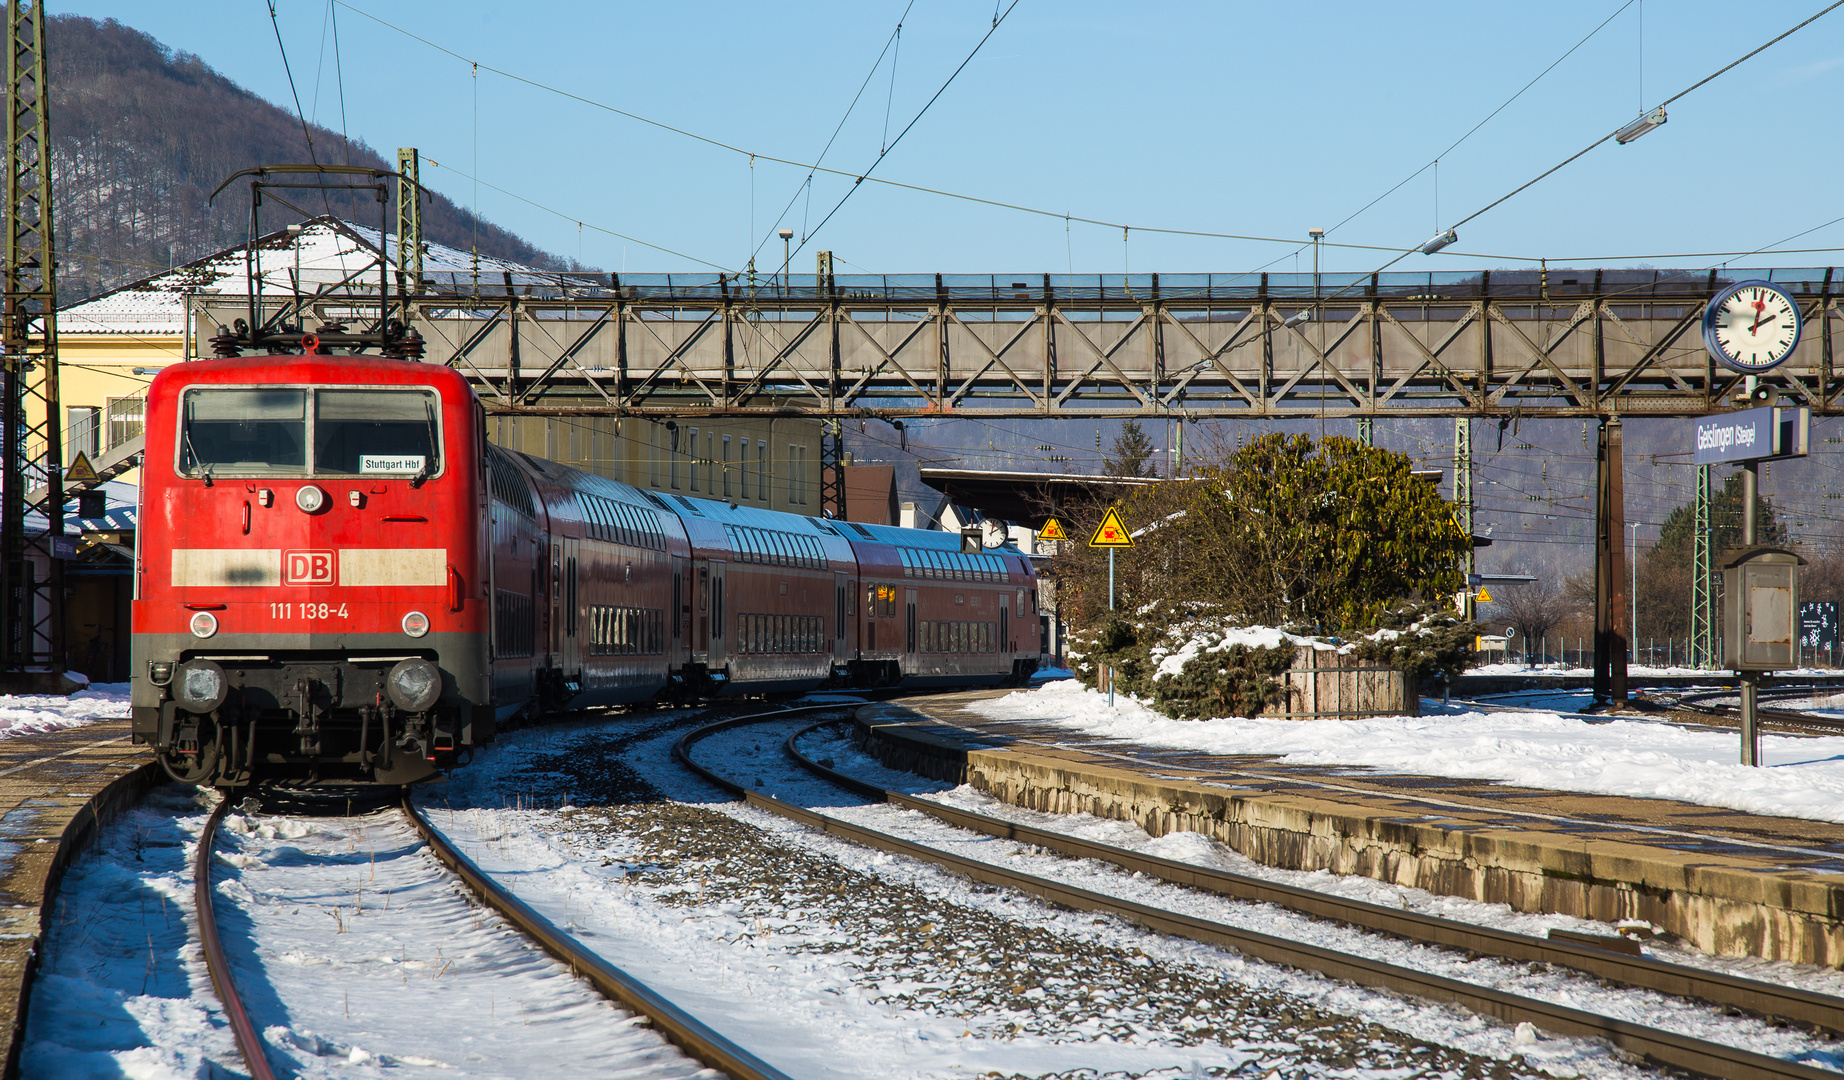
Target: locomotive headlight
<point x="416" y="624"/>
<point x="204" y="624"/>
<point x="310" y="499"/>
<point x="199" y="686"/>
<point x="414" y="685"/>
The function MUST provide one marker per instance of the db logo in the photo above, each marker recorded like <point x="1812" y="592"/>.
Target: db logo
<point x="307" y="568"/>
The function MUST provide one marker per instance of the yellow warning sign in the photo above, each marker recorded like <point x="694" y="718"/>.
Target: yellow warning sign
<point x="81" y="471"/>
<point x="1483" y="597"/>
<point x="1052" y="530"/>
<point x="1111" y="533"/>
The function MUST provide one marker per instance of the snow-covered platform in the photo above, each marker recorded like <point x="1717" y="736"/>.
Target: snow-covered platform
<point x="1722" y="878"/>
<point x="56" y="787"/>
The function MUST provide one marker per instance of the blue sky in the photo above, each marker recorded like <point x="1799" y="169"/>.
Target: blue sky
<point x="1253" y="119"/>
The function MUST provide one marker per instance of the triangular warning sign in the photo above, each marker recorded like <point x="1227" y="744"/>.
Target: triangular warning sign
<point x="1111" y="533"/>
<point x="81" y="471"/>
<point x="1052" y="530"/>
<point x="1483" y="597"/>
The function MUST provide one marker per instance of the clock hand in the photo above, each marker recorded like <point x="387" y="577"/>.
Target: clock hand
<point x="1759" y="313"/>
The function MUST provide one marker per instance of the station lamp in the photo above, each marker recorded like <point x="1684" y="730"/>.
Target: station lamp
<point x="1440" y="241"/>
<point x="1645" y="123"/>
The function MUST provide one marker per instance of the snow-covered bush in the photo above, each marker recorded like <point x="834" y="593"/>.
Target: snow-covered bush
<point x="1188" y="660"/>
<point x="1421" y="641"/>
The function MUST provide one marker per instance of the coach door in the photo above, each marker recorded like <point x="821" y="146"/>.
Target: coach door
<point x="572" y="611"/>
<point x="841" y="591"/>
<point x="909" y="630"/>
<point x="714" y="644"/>
<point x="1005" y="629"/>
<point x="678" y="610"/>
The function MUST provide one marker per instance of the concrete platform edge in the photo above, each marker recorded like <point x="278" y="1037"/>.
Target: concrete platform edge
<point x="1731" y="910"/>
<point x="78" y="834"/>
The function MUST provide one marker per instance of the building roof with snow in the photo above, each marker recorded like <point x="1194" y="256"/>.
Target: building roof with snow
<point x="323" y="252"/>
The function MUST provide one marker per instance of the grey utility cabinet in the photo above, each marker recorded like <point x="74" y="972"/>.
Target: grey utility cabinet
<point x="1760" y="609"/>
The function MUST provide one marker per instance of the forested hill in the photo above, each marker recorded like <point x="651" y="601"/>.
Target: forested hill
<point x="142" y="134"/>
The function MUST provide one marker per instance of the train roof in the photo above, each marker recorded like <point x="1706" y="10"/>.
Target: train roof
<point x="927" y="539"/>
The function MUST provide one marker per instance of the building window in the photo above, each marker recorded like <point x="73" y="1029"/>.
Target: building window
<point x="797" y="475"/>
<point x="710" y="462"/>
<point x="653" y="431"/>
<point x="692" y="452"/>
<point x="762" y="471"/>
<point x="82" y="431"/>
<point x="726" y="466"/>
<point x="125" y="417"/>
<point x="672" y="457"/>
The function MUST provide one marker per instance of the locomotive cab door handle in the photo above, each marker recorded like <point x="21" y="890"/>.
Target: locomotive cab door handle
<point x="455" y="590"/>
<point x="246" y="517"/>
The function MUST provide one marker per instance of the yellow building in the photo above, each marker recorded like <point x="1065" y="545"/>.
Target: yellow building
<point x="110" y="346"/>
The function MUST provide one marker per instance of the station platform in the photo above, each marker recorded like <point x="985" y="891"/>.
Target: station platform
<point x="1724" y="881"/>
<point x="56" y="788"/>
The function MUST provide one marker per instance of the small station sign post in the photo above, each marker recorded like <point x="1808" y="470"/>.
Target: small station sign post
<point x="1113" y="535"/>
<point x="1760" y="603"/>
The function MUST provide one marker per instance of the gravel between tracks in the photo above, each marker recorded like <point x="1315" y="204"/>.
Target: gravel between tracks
<point x="833" y="961"/>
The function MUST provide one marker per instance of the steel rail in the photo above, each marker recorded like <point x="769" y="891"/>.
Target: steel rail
<point x="249" y="1040"/>
<point x="1767" y="1000"/>
<point x="1665" y="1048"/>
<point x="678" y="1026"/>
<point x="1697" y="703"/>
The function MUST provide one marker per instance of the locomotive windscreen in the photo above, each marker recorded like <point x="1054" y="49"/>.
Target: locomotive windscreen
<point x="253" y="430"/>
<point x="269" y="431"/>
<point x="375" y="431"/>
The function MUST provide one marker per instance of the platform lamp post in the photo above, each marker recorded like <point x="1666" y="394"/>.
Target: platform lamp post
<point x="786" y="254"/>
<point x="1632" y="592"/>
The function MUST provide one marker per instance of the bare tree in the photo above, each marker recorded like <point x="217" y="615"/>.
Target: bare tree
<point x="1534" y="608"/>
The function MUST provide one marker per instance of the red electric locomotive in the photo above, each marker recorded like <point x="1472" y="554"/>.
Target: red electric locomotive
<point x="339" y="581"/>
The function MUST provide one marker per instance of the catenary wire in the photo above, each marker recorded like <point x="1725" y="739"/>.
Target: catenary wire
<point x="276" y="24"/>
<point x="577" y="220"/>
<point x="807" y="184"/>
<point x="856" y="184"/>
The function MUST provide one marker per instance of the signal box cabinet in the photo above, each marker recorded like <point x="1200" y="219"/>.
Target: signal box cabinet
<point x="1760" y="609"/>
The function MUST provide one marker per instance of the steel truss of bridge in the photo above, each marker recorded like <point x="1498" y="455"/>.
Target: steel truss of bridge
<point x="1504" y="344"/>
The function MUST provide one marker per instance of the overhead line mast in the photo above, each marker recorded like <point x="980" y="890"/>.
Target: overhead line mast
<point x="31" y="574"/>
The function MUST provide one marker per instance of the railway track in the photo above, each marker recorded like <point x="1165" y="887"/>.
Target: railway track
<point x="696" y="1038"/>
<point x="1599" y="958"/>
<point x="1703" y="704"/>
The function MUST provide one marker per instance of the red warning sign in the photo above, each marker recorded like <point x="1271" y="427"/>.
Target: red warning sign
<point x="1111" y="533"/>
<point x="1052" y="530"/>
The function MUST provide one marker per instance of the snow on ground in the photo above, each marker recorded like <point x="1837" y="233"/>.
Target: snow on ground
<point x="1552" y="984"/>
<point x="30" y="714"/>
<point x="1198" y="850"/>
<point x="355" y="951"/>
<point x="832" y="960"/>
<point x="1803" y="777"/>
<point x="1650" y="670"/>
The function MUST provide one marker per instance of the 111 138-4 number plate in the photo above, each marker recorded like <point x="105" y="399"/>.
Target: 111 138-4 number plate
<point x="308" y="611"/>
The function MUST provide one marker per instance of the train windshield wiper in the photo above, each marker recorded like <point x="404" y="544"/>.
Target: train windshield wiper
<point x="428" y="466"/>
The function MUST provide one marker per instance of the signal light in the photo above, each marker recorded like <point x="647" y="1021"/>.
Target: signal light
<point x="416" y="624"/>
<point x="204" y="624"/>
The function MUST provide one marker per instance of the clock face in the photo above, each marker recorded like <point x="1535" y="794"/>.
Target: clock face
<point x="1751" y="326"/>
